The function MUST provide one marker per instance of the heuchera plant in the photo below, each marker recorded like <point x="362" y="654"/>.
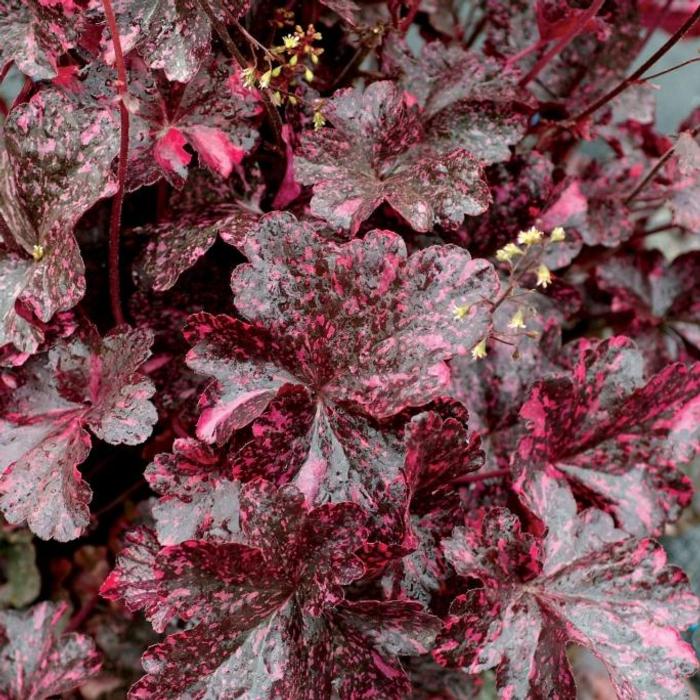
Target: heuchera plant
<point x="348" y="350"/>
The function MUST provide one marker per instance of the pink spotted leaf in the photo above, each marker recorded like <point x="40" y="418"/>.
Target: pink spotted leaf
<point x="606" y="429"/>
<point x="586" y="582"/>
<point x="35" y="35"/>
<point x="81" y="383"/>
<point x="271" y="593"/>
<point x="370" y="306"/>
<point x="37" y="661"/>
<point x="467" y="102"/>
<point x="176" y="245"/>
<point x="372" y="154"/>
<point x="54" y="165"/>
<point x="172" y="36"/>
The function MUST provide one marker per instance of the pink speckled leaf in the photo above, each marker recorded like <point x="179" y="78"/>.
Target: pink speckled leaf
<point x="213" y="114"/>
<point x="372" y="153"/>
<point x="586" y="582"/>
<point x="268" y="607"/>
<point x="368" y="306"/>
<point x="657" y="297"/>
<point x="36" y="660"/>
<point x="242" y="359"/>
<point x="199" y="497"/>
<point x="80" y="383"/>
<point x="591" y="208"/>
<point x="606" y="429"/>
<point x="469" y="101"/>
<point x="439" y="450"/>
<point x="177" y="245"/>
<point x="55" y="166"/>
<point x="251" y="601"/>
<point x="495" y="388"/>
<point x="35" y="35"/>
<point x="173" y="35"/>
<point x="369" y="636"/>
<point x="331" y="455"/>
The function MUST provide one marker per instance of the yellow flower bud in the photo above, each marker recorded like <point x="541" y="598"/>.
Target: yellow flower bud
<point x="37" y="252"/>
<point x="518" y="320"/>
<point x="530" y="237"/>
<point x="265" y="79"/>
<point x="508" y="252"/>
<point x="558" y="234"/>
<point x="248" y="77"/>
<point x="544" y="276"/>
<point x="479" y="350"/>
<point x="308" y="75"/>
<point x="319" y="121"/>
<point x="293" y="60"/>
<point x="459" y="312"/>
<point x="276" y="71"/>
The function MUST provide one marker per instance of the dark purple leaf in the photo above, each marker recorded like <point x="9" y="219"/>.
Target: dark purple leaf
<point x="658" y="296"/>
<point x="468" y="103"/>
<point x="177" y="245"/>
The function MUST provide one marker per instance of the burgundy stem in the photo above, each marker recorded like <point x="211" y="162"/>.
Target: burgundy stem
<point x="118" y="201"/>
<point x="671" y="69"/>
<point x="77" y="620"/>
<point x="482" y="476"/>
<point x="654" y="25"/>
<point x="563" y="42"/>
<point x="630" y="79"/>
<point x="659" y="164"/>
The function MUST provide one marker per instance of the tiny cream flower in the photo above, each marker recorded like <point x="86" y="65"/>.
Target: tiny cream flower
<point x="248" y="77"/>
<point x="37" y="252"/>
<point x="544" y="276"/>
<point x="265" y="79"/>
<point x="479" y="350"/>
<point x="558" y="234"/>
<point x="518" y="320"/>
<point x="459" y="312"/>
<point x="319" y="121"/>
<point x="508" y="252"/>
<point x="530" y="237"/>
<point x="290" y="41"/>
